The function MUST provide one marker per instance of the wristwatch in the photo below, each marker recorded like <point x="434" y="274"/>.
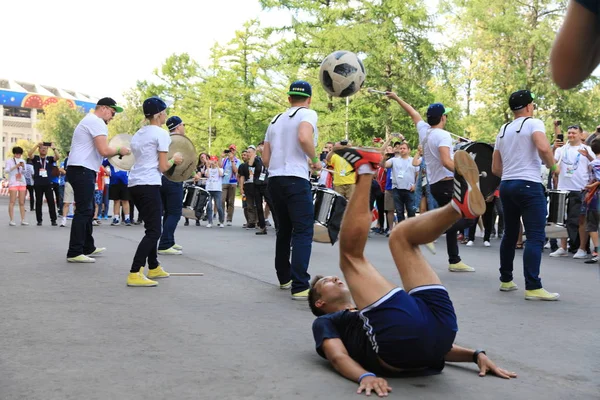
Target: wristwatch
<point x="476" y="354"/>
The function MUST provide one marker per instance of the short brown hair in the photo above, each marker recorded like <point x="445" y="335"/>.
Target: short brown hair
<point x="596" y="146"/>
<point x="313" y="296"/>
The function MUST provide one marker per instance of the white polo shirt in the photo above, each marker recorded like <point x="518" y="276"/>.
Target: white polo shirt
<point x="145" y="146"/>
<point x="83" y="150"/>
<point x="287" y="156"/>
<point x="574" y="173"/>
<point x="520" y="158"/>
<point x="432" y="140"/>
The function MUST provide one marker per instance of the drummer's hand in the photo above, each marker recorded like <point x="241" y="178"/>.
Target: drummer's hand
<point x="392" y="95"/>
<point x="177" y="158"/>
<point x="316" y="166"/>
<point x="490" y="198"/>
<point x="123" y="151"/>
<point x="197" y="177"/>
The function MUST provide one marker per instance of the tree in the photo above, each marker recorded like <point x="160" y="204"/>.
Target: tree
<point x="58" y="123"/>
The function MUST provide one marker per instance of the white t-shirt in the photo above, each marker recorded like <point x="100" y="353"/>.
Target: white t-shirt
<point x="83" y="150"/>
<point x="16" y="177"/>
<point x="287" y="157"/>
<point x="432" y="140"/>
<point x="520" y="158"/>
<point x="574" y="173"/>
<point x="214" y="183"/>
<point x="145" y="146"/>
<point x="403" y="173"/>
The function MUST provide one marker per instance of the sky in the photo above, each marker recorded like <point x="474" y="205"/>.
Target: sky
<point x="101" y="48"/>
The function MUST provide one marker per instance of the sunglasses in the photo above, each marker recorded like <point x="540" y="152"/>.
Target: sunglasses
<point x="574" y="127"/>
<point x="112" y="110"/>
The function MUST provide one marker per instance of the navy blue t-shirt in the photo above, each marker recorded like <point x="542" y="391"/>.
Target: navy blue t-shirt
<point x="592" y="5"/>
<point x="347" y="326"/>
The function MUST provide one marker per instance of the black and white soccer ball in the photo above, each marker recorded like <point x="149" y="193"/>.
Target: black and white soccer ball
<point x="342" y="73"/>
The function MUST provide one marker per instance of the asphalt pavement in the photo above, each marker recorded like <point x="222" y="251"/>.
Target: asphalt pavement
<point x="75" y="331"/>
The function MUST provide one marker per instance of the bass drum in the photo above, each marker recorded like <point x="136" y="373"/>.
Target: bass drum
<point x="482" y="154"/>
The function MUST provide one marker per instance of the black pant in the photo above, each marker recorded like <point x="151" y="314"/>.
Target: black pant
<point x="378" y="197"/>
<point x="31" y="197"/>
<point x="260" y="193"/>
<point x="40" y="191"/>
<point x="57" y="194"/>
<point x="131" y="211"/>
<point x="442" y="193"/>
<point x="488" y="220"/>
<point x="573" y="213"/>
<point x="83" y="182"/>
<point x="149" y="204"/>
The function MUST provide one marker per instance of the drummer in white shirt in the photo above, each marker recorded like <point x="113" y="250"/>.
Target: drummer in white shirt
<point x="573" y="160"/>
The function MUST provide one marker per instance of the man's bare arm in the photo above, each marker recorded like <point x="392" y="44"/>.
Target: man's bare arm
<point x="414" y="115"/>
<point x="266" y="154"/>
<point x="338" y="356"/>
<point x="445" y="158"/>
<point x="543" y="148"/>
<point x="497" y="165"/>
<point x="306" y="139"/>
<point x="463" y="354"/>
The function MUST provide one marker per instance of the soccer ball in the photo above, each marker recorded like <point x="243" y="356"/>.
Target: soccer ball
<point x="342" y="73"/>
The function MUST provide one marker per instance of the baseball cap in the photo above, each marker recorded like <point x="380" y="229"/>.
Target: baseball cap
<point x="520" y="99"/>
<point x="153" y="105"/>
<point x="214" y="158"/>
<point x="436" y="110"/>
<point x="232" y="147"/>
<point x="107" y="101"/>
<point x="300" y="88"/>
<point x="173" y="122"/>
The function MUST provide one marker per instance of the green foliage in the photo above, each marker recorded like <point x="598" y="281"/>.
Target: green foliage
<point x="58" y="123"/>
<point x="488" y="50"/>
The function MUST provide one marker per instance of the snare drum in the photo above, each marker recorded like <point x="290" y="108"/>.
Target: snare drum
<point x="557" y="214"/>
<point x="195" y="200"/>
<point x="482" y="154"/>
<point x="329" y="211"/>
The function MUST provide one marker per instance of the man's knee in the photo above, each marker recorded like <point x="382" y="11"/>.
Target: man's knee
<point x="399" y="237"/>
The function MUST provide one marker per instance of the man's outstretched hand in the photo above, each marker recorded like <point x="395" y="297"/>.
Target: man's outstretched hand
<point x="486" y="365"/>
<point x="374" y="384"/>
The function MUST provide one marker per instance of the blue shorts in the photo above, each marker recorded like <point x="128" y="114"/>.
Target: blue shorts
<point x="98" y="197"/>
<point x="412" y="330"/>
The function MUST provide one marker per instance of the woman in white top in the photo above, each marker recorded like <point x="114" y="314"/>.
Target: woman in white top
<point x="150" y="146"/>
<point x="214" y="187"/>
<point x="17" y="186"/>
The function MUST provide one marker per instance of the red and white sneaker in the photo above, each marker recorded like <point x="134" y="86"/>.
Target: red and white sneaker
<point x="357" y="156"/>
<point x="467" y="196"/>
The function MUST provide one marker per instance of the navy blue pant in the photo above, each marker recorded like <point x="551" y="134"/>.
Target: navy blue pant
<point x="524" y="199"/>
<point x="149" y="204"/>
<point x="172" y="201"/>
<point x="83" y="181"/>
<point x="293" y="206"/>
<point x="403" y="199"/>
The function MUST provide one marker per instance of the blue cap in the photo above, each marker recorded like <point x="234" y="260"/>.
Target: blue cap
<point x="300" y="88"/>
<point x="153" y="105"/>
<point x="173" y="122"/>
<point x="436" y="110"/>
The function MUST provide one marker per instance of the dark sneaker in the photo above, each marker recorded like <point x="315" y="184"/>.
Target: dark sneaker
<point x="186" y="223"/>
<point x="358" y="156"/>
<point x="467" y="195"/>
<point x="261" y="232"/>
<point x="592" y="260"/>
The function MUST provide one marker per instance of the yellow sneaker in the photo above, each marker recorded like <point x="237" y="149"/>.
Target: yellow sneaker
<point x="177" y="246"/>
<point x="142" y="271"/>
<point x="460" y="267"/>
<point x="431" y="248"/>
<point x="157" y="273"/>
<point x="286" y="286"/>
<point x="138" y="279"/>
<point x="300" y="295"/>
<point x="171" y="251"/>
<point x="541" y="294"/>
<point x="508" y="286"/>
<point x="98" y="251"/>
<point x="81" y="259"/>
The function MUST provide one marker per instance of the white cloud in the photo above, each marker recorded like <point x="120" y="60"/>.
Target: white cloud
<point x="102" y="48"/>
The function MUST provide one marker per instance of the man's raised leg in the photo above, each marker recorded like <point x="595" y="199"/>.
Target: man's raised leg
<point x="366" y="284"/>
<point x="414" y="270"/>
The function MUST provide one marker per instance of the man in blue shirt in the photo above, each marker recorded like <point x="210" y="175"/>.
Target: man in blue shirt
<point x="369" y="327"/>
<point x="230" y="165"/>
<point x="118" y="192"/>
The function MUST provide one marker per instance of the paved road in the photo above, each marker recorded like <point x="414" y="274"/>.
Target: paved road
<point x="77" y="332"/>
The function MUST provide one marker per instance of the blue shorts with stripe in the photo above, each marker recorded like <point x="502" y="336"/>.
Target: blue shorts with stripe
<point x="414" y="329"/>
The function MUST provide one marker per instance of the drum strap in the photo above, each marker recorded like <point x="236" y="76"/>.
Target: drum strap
<point x="292" y="115"/>
<point x="507" y="124"/>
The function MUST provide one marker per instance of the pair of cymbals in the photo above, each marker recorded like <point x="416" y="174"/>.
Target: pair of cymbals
<point x="179" y="144"/>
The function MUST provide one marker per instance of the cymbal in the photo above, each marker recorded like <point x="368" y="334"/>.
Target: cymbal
<point x="122" y="162"/>
<point x="184" y="171"/>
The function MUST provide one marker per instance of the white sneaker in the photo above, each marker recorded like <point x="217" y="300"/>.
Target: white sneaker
<point x="209" y="225"/>
<point x="470" y="243"/>
<point x="559" y="253"/>
<point x="487" y="244"/>
<point x="581" y="254"/>
<point x="95" y="223"/>
<point x="547" y="245"/>
<point x="24" y="223"/>
<point x="12" y="223"/>
<point x="221" y="226"/>
<point x="228" y="224"/>
<point x="63" y="222"/>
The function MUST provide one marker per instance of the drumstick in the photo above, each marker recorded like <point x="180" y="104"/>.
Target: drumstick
<point x="186" y="273"/>
<point x="371" y="90"/>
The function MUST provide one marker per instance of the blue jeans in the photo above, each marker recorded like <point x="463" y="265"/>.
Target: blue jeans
<point x="215" y="197"/>
<point x="105" y="202"/>
<point x="293" y="205"/>
<point x="171" y="194"/>
<point x="83" y="181"/>
<point x="148" y="202"/>
<point x="524" y="199"/>
<point x="403" y="198"/>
